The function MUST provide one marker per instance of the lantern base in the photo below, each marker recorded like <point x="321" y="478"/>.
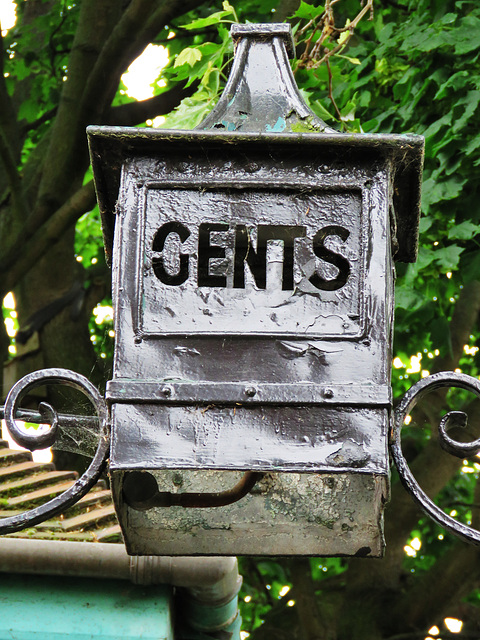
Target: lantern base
<point x="337" y="514"/>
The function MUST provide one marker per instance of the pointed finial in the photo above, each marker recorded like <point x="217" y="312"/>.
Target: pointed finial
<point x="261" y="94"/>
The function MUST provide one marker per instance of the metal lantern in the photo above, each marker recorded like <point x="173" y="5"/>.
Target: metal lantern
<point x="253" y="265"/>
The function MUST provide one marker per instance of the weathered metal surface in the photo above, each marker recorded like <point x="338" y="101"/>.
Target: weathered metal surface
<point x="125" y="391"/>
<point x="285" y="514"/>
<point x="41" y="440"/>
<point x="184" y="344"/>
<point x="110" y="146"/>
<point x="436" y="381"/>
<point x="306" y="438"/>
<point x="248" y="261"/>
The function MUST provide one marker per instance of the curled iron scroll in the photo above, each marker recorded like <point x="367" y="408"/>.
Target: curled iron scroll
<point x="459" y="449"/>
<point x="43" y="440"/>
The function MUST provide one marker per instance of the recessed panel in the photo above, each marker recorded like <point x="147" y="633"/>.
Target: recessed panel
<point x="274" y="261"/>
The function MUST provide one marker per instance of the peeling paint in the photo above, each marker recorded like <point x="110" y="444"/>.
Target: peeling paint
<point x="278" y="127"/>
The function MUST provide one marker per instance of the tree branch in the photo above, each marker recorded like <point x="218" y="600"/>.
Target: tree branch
<point x="313" y="627"/>
<point x="12" y="172"/>
<point x="9" y="151"/>
<point x="67" y="155"/>
<point x="67" y="151"/>
<point x="45" y="117"/>
<point x="103" y="48"/>
<point x="463" y="321"/>
<point x="138" y="26"/>
<point x="15" y="266"/>
<point x="450" y="579"/>
<point x="137" y="112"/>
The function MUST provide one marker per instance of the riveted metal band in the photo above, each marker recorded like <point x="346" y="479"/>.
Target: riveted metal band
<point x="178" y="392"/>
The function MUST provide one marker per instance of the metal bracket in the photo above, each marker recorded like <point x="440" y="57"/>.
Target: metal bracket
<point x="459" y="449"/>
<point x="41" y="441"/>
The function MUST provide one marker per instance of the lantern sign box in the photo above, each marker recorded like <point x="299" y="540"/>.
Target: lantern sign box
<point x="253" y="295"/>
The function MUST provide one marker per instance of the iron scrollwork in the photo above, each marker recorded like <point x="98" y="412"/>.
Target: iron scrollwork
<point x="42" y="440"/>
<point x="458" y="449"/>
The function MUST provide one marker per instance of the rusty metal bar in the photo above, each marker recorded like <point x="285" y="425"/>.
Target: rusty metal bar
<point x="141" y="492"/>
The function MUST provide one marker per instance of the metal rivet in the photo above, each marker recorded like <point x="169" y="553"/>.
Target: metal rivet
<point x="250" y="391"/>
<point x="328" y="393"/>
<point x="167" y="391"/>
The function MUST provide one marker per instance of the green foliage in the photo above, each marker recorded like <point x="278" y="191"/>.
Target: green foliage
<point x="214" y="18"/>
<point x="262" y="589"/>
<point x="37" y="58"/>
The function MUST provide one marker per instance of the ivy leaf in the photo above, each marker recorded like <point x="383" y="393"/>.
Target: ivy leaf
<point x="425" y="257"/>
<point x="344" y="35"/>
<point x="214" y="18"/>
<point x="425" y="224"/>
<point x="470" y="101"/>
<point x="352" y="60"/>
<point x="307" y="11"/>
<point x="465" y="38"/>
<point x="448" y="257"/>
<point x="453" y="84"/>
<point x="188" y="56"/>
<point x="435" y="191"/>
<point x="463" y="231"/>
<point x="408" y="298"/>
<point x="321" y="111"/>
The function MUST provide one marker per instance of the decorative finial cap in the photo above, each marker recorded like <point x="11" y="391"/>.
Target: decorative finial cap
<point x="261" y="94"/>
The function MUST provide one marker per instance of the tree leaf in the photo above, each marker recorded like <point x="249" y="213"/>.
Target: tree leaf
<point x="188" y="56"/>
<point x="463" y="231"/>
<point x="448" y="257"/>
<point x="308" y="11"/>
<point x="214" y="18"/>
<point x="408" y="298"/>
